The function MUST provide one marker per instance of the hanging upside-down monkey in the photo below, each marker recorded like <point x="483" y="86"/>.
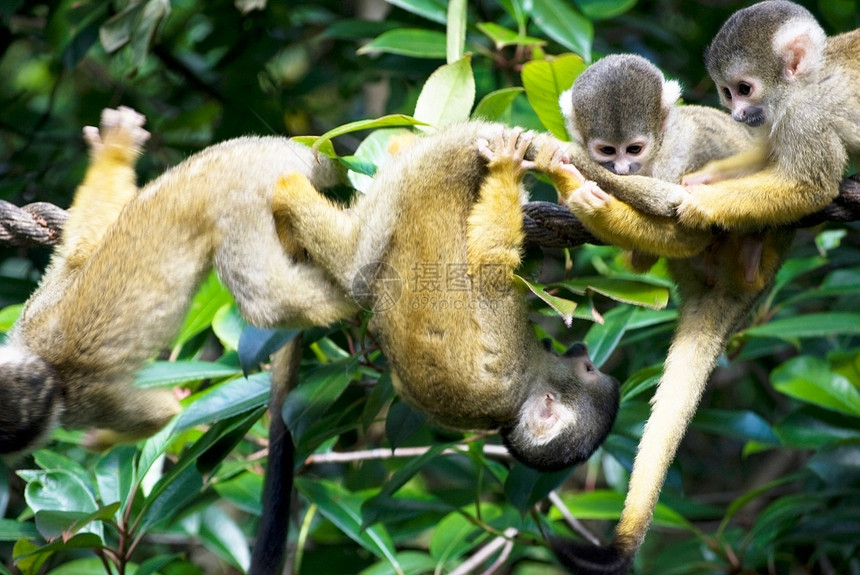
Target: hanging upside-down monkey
<point x="121" y="281"/>
<point x="464" y="353"/>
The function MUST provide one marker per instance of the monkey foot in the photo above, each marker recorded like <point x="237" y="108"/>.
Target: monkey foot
<point x="121" y="134"/>
<point x="510" y="147"/>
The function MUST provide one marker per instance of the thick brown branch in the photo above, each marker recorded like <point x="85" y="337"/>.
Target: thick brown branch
<point x="546" y="224"/>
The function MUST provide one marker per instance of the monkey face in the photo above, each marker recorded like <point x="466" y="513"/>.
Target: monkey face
<point x="625" y="157"/>
<point x="567" y="415"/>
<point x="745" y="98"/>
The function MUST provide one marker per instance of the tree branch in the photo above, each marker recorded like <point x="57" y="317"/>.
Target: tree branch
<point x="546" y="224"/>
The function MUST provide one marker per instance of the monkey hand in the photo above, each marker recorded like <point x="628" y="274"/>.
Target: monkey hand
<point x="508" y="152"/>
<point x="697" y="211"/>
<point x="552" y="160"/>
<point x="588" y="199"/>
<point x="121" y="136"/>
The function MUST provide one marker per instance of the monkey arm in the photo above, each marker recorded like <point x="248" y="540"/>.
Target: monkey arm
<point x="494" y="228"/>
<point x="108" y="184"/>
<point x="735" y="166"/>
<point x="619" y="224"/>
<point x="765" y="198"/>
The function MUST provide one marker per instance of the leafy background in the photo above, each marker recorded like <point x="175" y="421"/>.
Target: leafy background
<point x="767" y="479"/>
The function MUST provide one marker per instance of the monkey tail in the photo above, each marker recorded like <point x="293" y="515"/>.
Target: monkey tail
<point x="584" y="559"/>
<point x="270" y="548"/>
<point x="706" y="321"/>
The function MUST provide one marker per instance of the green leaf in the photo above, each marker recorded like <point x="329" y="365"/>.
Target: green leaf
<point x="55" y="524"/>
<point x="210" y="298"/>
<point x="170" y="496"/>
<point x="448" y="94"/>
<point x="319" y="389"/>
<point x="624" y="290"/>
<point x="225" y="400"/>
<point x="220" y="534"/>
<point x="9" y="315"/>
<point x="503" y="37"/>
<point x="525" y="487"/>
<point x="374" y="149"/>
<point x="564" y="25"/>
<point x="455" y="32"/>
<point x="434" y="10"/>
<point x="115" y="475"/>
<point x="810" y="379"/>
<point x="602" y="339"/>
<point x="413" y="42"/>
<point x="390" y="121"/>
<point x="456" y="535"/>
<point x="744" y="425"/>
<point x="812" y="428"/>
<point x="402" y="422"/>
<point x="344" y="510"/>
<point x="243" y="492"/>
<point x="563" y="307"/>
<point x="496" y="106"/>
<point x="604" y="9"/>
<point x="411" y="563"/>
<point x="228" y="325"/>
<point x="12" y="530"/>
<point x="61" y="491"/>
<point x="544" y="81"/>
<point x="173" y="373"/>
<point x="816" y="325"/>
<point x="838" y="465"/>
<point x="606" y="504"/>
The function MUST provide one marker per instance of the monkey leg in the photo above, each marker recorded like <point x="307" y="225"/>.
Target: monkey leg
<point x="108" y="184"/>
<point x="494" y="228"/>
<point x="728" y="168"/>
<point x="328" y="232"/>
<point x="618" y="223"/>
<point x="271" y="286"/>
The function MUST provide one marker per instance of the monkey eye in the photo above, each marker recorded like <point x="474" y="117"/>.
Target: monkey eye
<point x="744" y="89"/>
<point x="635" y="149"/>
<point x="727" y="93"/>
<point x="608" y="150"/>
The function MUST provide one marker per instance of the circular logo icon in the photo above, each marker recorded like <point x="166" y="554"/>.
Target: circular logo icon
<point x="377" y="287"/>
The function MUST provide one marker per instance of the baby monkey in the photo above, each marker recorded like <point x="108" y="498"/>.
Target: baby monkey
<point x="121" y="281"/>
<point x="444" y="216"/>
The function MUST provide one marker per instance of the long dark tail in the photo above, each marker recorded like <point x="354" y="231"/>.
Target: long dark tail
<point x="267" y="557"/>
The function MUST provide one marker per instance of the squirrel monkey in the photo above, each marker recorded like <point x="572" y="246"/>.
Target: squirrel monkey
<point x="119" y="284"/>
<point x="624" y="113"/>
<point x="778" y="73"/>
<point x="442" y="223"/>
<point x="719" y="275"/>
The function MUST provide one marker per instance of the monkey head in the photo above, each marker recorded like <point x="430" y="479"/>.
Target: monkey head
<point x="567" y="413"/>
<point x="761" y="55"/>
<point x="31" y="403"/>
<point x="617" y="109"/>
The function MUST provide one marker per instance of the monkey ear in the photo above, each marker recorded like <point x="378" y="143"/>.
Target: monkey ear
<point x="565" y="102"/>
<point x="800" y="44"/>
<point x="671" y="93"/>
